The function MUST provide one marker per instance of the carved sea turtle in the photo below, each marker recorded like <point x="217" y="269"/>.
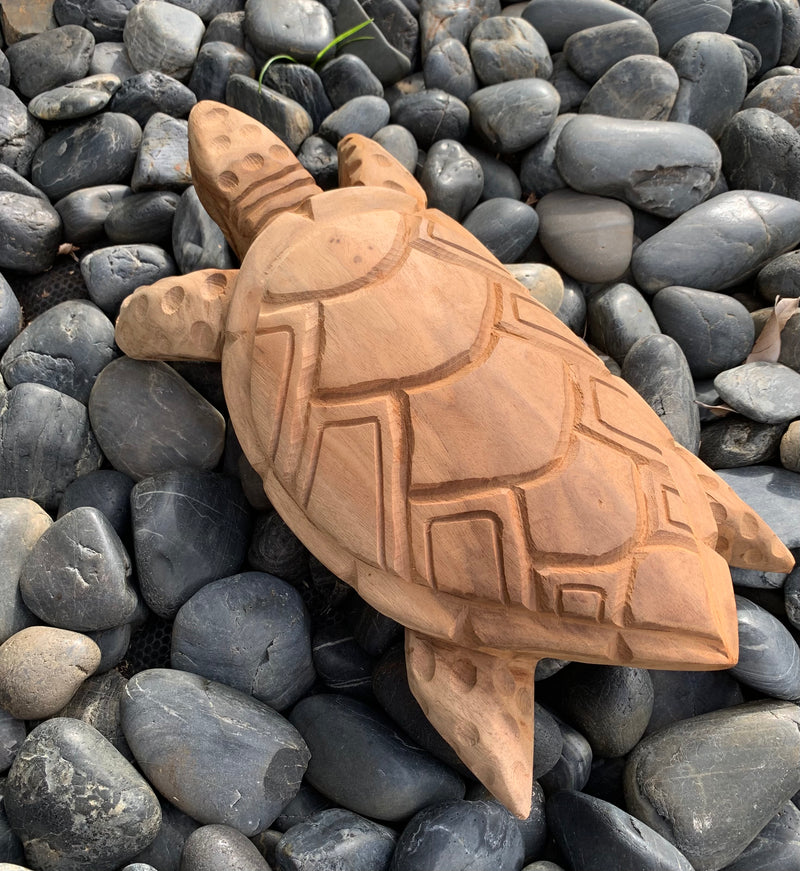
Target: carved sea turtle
<point x="445" y="444"/>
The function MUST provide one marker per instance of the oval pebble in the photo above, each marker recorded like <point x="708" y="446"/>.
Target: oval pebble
<point x="284" y="116"/>
<point x="736" y="441"/>
<point x="346" y="77"/>
<point x="512" y="116"/>
<point x="197" y="242"/>
<point x="144" y="217"/>
<point x="216" y="63"/>
<point x="163" y="159"/>
<point x="143" y="94"/>
<point x="20" y="133"/>
<point x="638" y="87"/>
<point x="365" y="115"/>
<point x="431" y="115"/>
<point x="30" y="233"/>
<point x="75" y="99"/>
<point x="215" y="846"/>
<point x="112" y="274"/>
<point x="448" y="67"/>
<point x="164" y="37"/>
<point x="618" y="316"/>
<point x="300" y="83"/>
<point x="557" y="21"/>
<point x="83" y="212"/>
<point x="765" y="392"/>
<point x="105" y="489"/>
<point x="452" y="178"/>
<point x="593" y="51"/>
<point x="301" y="29"/>
<point x="673" y="19"/>
<point x="504" y="48"/>
<point x="503" y="225"/>
<point x="50" y="58"/>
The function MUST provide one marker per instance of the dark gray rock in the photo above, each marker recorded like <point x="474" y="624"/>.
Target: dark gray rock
<point x="49" y="59"/>
<point x="715" y="331"/>
<point x="679" y="695"/>
<point x="790" y="447"/>
<point x="10" y="315"/>
<point x="572" y="769"/>
<point x="30" y="233"/>
<point x="164" y="853"/>
<point x="391" y="42"/>
<point x="661" y="167"/>
<point x="774" y="494"/>
<point x="572" y="310"/>
<point x="5" y="70"/>
<point x="765" y="392"/>
<point x="301" y="29"/>
<point x="505" y="226"/>
<point x="713" y="81"/>
<point x="300" y="83"/>
<point x="65" y="347"/>
<point x="307" y="802"/>
<point x="359" y="760"/>
<point x="504" y="48"/>
<point x="70" y="794"/>
<point x="452" y="178"/>
<point x="11" y="846"/>
<point x="533" y="828"/>
<point x="640" y="87"/>
<point x="571" y="88"/>
<point x="145" y="217"/>
<point x="220" y="755"/>
<point x="340" y="662"/>
<point x="618" y="316"/>
<point x="397" y="22"/>
<point x="83" y="212"/>
<point x="513" y="116"/>
<point x="336" y="838"/>
<point x="769" y="658"/>
<point x="197" y="242"/>
<point x="400" y="143"/>
<point x="149" y="420"/>
<point x="460" y="834"/>
<point x="448" y="68"/>
<point x="113" y="644"/>
<point x="673" y="19"/>
<point x="12" y="734"/>
<point x="20" y="134"/>
<point x="163" y="159"/>
<point x="164" y="37"/>
<point x="11" y="180"/>
<point x="780" y="277"/>
<point x="112" y="274"/>
<point x="216" y="846"/>
<point x="759" y="22"/>
<point x="686" y="772"/>
<point x="112" y="57"/>
<point x="593" y="51"/>
<point x="321" y="159"/>
<point x="251" y="632"/>
<point x="443" y="19"/>
<point x="656" y="368"/>
<point x="538" y="172"/>
<point x="144" y="94"/>
<point x="346" y="77"/>
<point x="75" y="99"/>
<point x="77" y="575"/>
<point x="374" y="632"/>
<point x="45" y="443"/>
<point x="718" y="243"/>
<point x="779" y="95"/>
<point x="431" y="115"/>
<point x="275" y="549"/>
<point x="776" y="846"/>
<point x="365" y="115"/>
<point x="736" y="441"/>
<point x="104" y="19"/>
<point x="178" y="550"/>
<point x="99" y="151"/>
<point x="286" y="118"/>
<point x="556" y="21"/>
<point x="499" y="179"/>
<point x="216" y="63"/>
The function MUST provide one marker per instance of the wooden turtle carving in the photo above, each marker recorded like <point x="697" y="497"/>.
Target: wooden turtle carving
<point x="445" y="444"/>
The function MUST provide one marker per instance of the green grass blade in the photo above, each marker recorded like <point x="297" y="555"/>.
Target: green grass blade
<point x="269" y="63"/>
<point x="340" y="39"/>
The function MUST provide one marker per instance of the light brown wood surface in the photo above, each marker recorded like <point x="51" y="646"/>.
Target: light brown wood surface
<point x="444" y="444"/>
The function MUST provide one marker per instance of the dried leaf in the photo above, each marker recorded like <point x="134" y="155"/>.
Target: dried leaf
<point x="768" y="344"/>
<point x="716" y="410"/>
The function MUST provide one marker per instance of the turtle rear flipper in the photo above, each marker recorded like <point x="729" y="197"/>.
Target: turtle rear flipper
<point x="482" y="705"/>
<point x="365" y="163"/>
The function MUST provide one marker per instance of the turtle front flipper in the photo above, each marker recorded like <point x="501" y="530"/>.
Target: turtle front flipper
<point x="181" y="317"/>
<point x="365" y="163"/>
<point x="482" y="705"/>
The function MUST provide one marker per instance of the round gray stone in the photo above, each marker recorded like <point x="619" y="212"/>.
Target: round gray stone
<point x="505" y="226"/>
<point x="346" y="77"/>
<point x="112" y="274"/>
<point x="20" y="133"/>
<point x="640" y="87"/>
<point x="513" y="116"/>
<point x="448" y="67"/>
<point x="593" y="51"/>
<point x="197" y="242"/>
<point x="503" y="49"/>
<point x="216" y="63"/>
<point x="30" y="233"/>
<point x="286" y="118"/>
<point x="83" y="212"/>
<point x="762" y="391"/>
<point x="780" y="277"/>
<point x="673" y="19"/>
<point x="780" y="95"/>
<point x="557" y="21"/>
<point x="163" y="159"/>
<point x="50" y="58"/>
<point x="538" y="173"/>
<point x="145" y="217"/>
<point x="75" y="99"/>
<point x="679" y="695"/>
<point x="164" y="37"/>
<point x="400" y="143"/>
<point x="431" y="115"/>
<point x="365" y="115"/>
<point x="443" y="19"/>
<point x="212" y="847"/>
<point x="301" y="29"/>
<point x="618" y="316"/>
<point x="143" y="94"/>
<point x="452" y="178"/>
<point x="104" y="19"/>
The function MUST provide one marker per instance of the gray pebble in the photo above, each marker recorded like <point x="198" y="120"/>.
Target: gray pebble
<point x="443" y="19"/>
<point x="11" y="180"/>
<point x="286" y="118"/>
<point x="759" y="22"/>
<point x="301" y="29"/>
<point x="780" y="277"/>
<point x="572" y="310"/>
<point x="221" y="756"/>
<point x="557" y="21"/>
<point x="30" y="233"/>
<point x="641" y="87"/>
<point x="392" y="40"/>
<point x="780" y="95"/>
<point x="765" y="392"/>
<point x="618" y="316"/>
<point x="149" y="420"/>
<point x="143" y="94"/>
<point x="346" y="77"/>
<point x="163" y="159"/>
<point x="512" y="116"/>
<point x="365" y="115"/>
<point x="679" y="695"/>
<point x="65" y="347"/>
<point x="226" y="27"/>
<point x="505" y="48"/>
<point x="593" y="51"/>
<point x="303" y="85"/>
<point x="321" y="159"/>
<point x="505" y="226"/>
<point x="673" y="19"/>
<point x="49" y="59"/>
<point x="197" y="242"/>
<point x="113" y="644"/>
<point x="448" y="67"/>
<point x="499" y="179"/>
<point x="145" y="217"/>
<point x="164" y="37"/>
<point x="400" y="143"/>
<point x="104" y="19"/>
<point x="790" y="447"/>
<point x="307" y="802"/>
<point x="76" y="99"/>
<point x="83" y="212"/>
<point x="538" y="173"/>
<point x="431" y="115"/>
<point x="216" y="63"/>
<point x="20" y="133"/>
<point x="213" y="847"/>
<point x="112" y="274"/>
<point x="735" y="441"/>
<point x="778" y="844"/>
<point x="452" y="178"/>
<point x="571" y="88"/>
<point x="572" y="769"/>
<point x="10" y="315"/>
<point x="756" y="579"/>
<point x="112" y="57"/>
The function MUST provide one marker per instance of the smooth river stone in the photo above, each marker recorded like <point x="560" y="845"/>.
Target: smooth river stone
<point x="513" y="116"/>
<point x="221" y="756"/>
<point x="693" y="770"/>
<point x="499" y="179"/>
<point x="104" y="19"/>
<point x="451" y="178"/>
<point x="719" y="243"/>
<point x="49" y="59"/>
<point x="41" y="667"/>
<point x="163" y="159"/>
<point x="759" y="22"/>
<point x="197" y="242"/>
<point x="22" y="521"/>
<point x="588" y="237"/>
<point x="30" y="233"/>
<point x="365" y="115"/>
<point x="164" y="37"/>
<point x="149" y="420"/>
<point x="335" y="838"/>
<point x="20" y="134"/>
<point x="765" y="392"/>
<point x="593" y="51"/>
<point x="112" y="274"/>
<point x="211" y="847"/>
<point x="346" y="77"/>
<point x="301" y="29"/>
<point x="45" y="443"/>
<point x="216" y="63"/>
<point x="595" y="835"/>
<point x="737" y="441"/>
<point x="673" y="19"/>
<point x="790" y="447"/>
<point x="618" y="316"/>
<point x="780" y="95"/>
<point x="83" y="212"/>
<point x="76" y="802"/>
<point x="287" y="119"/>
<point x="776" y="846"/>
<point x="360" y="761"/>
<point x="430" y="115"/>
<point x="442" y="19"/>
<point x="713" y="81"/>
<point x="145" y="217"/>
<point x="572" y="769"/>
<point x="503" y="49"/>
<point x="99" y="151"/>
<point x="679" y="695"/>
<point x="392" y="35"/>
<point x="75" y="99"/>
<point x="538" y="172"/>
<point x="556" y="21"/>
<point x="143" y="94"/>
<point x="780" y="277"/>
<point x="640" y="87"/>
<point x="251" y="632"/>
<point x="658" y="166"/>
<point x="503" y="225"/>
<point x="448" y="67"/>
<point x="300" y="83"/>
<point x="543" y="282"/>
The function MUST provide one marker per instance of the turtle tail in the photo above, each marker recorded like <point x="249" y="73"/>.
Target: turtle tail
<point x="243" y="173"/>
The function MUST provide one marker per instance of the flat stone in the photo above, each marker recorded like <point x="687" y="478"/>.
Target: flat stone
<point x="76" y="99"/>
<point x="365" y="115"/>
<point x="513" y="116"/>
<point x="65" y="348"/>
<point x="177" y="550"/>
<point x="163" y="159"/>
<point x="301" y="29"/>
<point x="143" y="94"/>
<point x="656" y="368"/>
<point x="49" y="59"/>
<point x="673" y="19"/>
<point x="22" y="521"/>
<point x="688" y="771"/>
<point x="216" y="846"/>
<point x="99" y="151"/>
<point x="639" y="87"/>
<point x="765" y="392"/>
<point x="503" y="225"/>
<point x="593" y="51"/>
<point x="286" y="118"/>
<point x="45" y="443"/>
<point x="197" y="242"/>
<point x="503" y="49"/>
<point x="594" y="834"/>
<point x="144" y="217"/>
<point x="618" y="316"/>
<point x="30" y="233"/>
<point x="41" y="667"/>
<point x="249" y="631"/>
<point x="112" y="274"/>
<point x="776" y="845"/>
<point x="164" y="37"/>
<point x="359" y="761"/>
<point x="83" y="212"/>
<point x="451" y="178"/>
<point x="442" y="19"/>
<point x="431" y="115"/>
<point x="220" y="755"/>
<point x="658" y="166"/>
<point x="104" y="19"/>
<point x="679" y="695"/>
<point x="12" y="181"/>
<point x="70" y="793"/>
<point x="20" y="134"/>
<point x="588" y="237"/>
<point x="300" y="83"/>
<point x="557" y="21"/>
<point x="392" y="36"/>
<point x="543" y="282"/>
<point x="216" y="63"/>
<point x="448" y="67"/>
<point x="538" y="173"/>
<point x="460" y="834"/>
<point x="774" y="494"/>
<point x="336" y="838"/>
<point x="736" y="441"/>
<point x="719" y="243"/>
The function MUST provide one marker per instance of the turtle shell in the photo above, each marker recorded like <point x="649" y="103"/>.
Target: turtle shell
<point x="449" y="448"/>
